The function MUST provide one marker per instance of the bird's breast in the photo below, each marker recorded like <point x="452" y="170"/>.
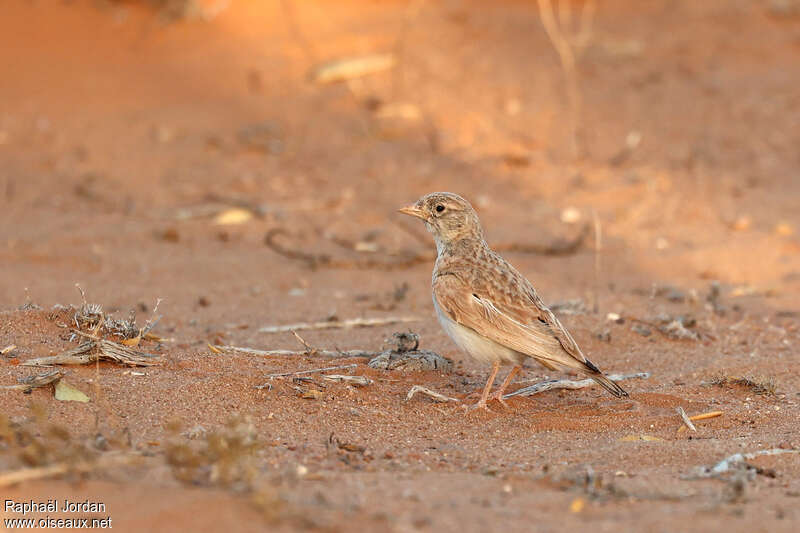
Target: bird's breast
<point x="474" y="344"/>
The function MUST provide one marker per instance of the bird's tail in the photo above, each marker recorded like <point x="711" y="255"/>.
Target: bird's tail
<point x="610" y="386"/>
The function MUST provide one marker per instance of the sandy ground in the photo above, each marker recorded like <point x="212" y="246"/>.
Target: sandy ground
<point x="122" y="136"/>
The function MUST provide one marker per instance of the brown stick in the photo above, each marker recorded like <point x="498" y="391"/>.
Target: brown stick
<point x="558" y="247"/>
<point x="301" y="372"/>
<point x="551" y="384"/>
<point x="294" y="28"/>
<point x="404" y="260"/>
<point x="566" y="56"/>
<point x="686" y="419"/>
<point x="39" y="380"/>
<point x="428" y="392"/>
<point x="706" y="416"/>
<point x="94" y="349"/>
<point x="413" y="10"/>
<point x="337" y="324"/>
<point x="42" y="472"/>
<point x="320" y="260"/>
<point x="333" y="354"/>
<point x="598" y="250"/>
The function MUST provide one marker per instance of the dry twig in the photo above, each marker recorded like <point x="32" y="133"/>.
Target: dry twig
<point x="558" y="247"/>
<point x="737" y="459"/>
<point x="338" y="324"/>
<point x="320" y="260"/>
<point x="351" y="67"/>
<point x="39" y="380"/>
<point x="686" y="419"/>
<point x="358" y="381"/>
<point x="294" y="28"/>
<point x="702" y="416"/>
<point x="598" y="250"/>
<point x="402" y="260"/>
<point x="301" y="372"/>
<point x="551" y="384"/>
<point x="43" y="472"/>
<point x="409" y="18"/>
<point x="705" y="416"/>
<point x="93" y="350"/>
<point x="557" y="33"/>
<point x="428" y="392"/>
<point x="333" y="354"/>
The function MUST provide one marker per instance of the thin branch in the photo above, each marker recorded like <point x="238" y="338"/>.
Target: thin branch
<point x="310" y="350"/>
<point x="94" y="349"/>
<point x="584" y="35"/>
<point x="294" y="28"/>
<point x="39" y="380"/>
<point x="80" y="355"/>
<point x="15" y="477"/>
<point x="402" y="260"/>
<point x="320" y="260"/>
<point x="358" y="381"/>
<point x="301" y="372"/>
<point x="558" y="247"/>
<point x="598" y="251"/>
<point x="333" y="354"/>
<point x="686" y="419"/>
<point x="732" y="461"/>
<point x="552" y="384"/>
<point x="410" y="17"/>
<point x="706" y="416"/>
<point x="428" y="392"/>
<point x="566" y="56"/>
<point x="339" y="324"/>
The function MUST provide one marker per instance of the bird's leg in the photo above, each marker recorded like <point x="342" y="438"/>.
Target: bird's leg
<point x="499" y="394"/>
<point x="485" y="396"/>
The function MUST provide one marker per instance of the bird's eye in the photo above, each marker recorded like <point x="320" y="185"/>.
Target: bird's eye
<point x="439" y="208"/>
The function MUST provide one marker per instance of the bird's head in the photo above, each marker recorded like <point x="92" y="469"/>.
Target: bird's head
<point x="447" y="216"/>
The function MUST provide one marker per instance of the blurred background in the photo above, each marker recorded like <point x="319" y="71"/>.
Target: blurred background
<point x="126" y="127"/>
<point x="242" y="162"/>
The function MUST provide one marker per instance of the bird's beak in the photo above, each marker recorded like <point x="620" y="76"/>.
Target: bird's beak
<point x="412" y="210"/>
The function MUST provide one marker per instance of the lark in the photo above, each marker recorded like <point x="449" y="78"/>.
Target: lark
<point x="486" y="306"/>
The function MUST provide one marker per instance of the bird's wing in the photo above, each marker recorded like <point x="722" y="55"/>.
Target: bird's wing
<point x="518" y="320"/>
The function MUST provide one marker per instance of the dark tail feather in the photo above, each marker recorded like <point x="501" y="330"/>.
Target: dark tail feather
<point x="610" y="386"/>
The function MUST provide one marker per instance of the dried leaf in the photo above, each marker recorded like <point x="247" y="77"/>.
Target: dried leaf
<point x="233" y="216"/>
<point x="312" y="394"/>
<point x="132" y="342"/>
<point x="67" y="393"/>
<point x="784" y="229"/>
<point x="399" y="110"/>
<point x="577" y="505"/>
<point x="214" y="348"/>
<point x="353" y="67"/>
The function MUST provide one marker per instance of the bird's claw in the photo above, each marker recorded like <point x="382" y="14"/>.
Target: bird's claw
<point x="499" y="397"/>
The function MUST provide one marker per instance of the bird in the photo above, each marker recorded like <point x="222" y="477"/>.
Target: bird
<point x="490" y="310"/>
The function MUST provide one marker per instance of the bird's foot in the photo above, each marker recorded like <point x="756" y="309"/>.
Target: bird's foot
<point x="499" y="397"/>
<point x="474" y="407"/>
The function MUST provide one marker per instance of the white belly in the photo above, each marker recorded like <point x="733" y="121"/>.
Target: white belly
<point x="475" y="345"/>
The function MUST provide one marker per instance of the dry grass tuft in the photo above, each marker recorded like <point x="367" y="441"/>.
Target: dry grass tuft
<point x="225" y="458"/>
<point x="762" y="385"/>
<point x="90" y="323"/>
<point x="34" y="442"/>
